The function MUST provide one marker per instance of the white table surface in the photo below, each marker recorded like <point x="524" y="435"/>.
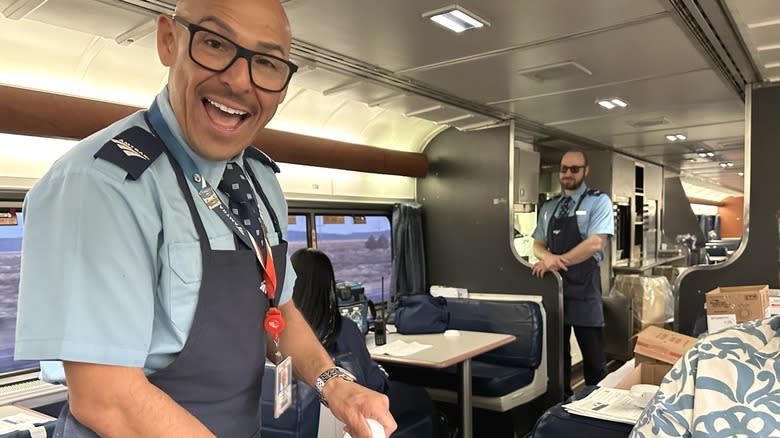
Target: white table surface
<point x="445" y="350"/>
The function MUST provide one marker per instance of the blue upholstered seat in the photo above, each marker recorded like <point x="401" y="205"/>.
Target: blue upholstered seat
<point x="500" y="371"/>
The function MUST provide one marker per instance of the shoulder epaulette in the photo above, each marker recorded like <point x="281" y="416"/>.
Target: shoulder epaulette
<point x="133" y="150"/>
<point x="257" y="154"/>
<point x="594" y="192"/>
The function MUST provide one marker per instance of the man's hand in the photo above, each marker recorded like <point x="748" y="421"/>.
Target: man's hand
<point x="551" y="262"/>
<point x="353" y="404"/>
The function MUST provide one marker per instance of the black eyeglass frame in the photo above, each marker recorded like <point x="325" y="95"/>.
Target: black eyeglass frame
<point x="573" y="169"/>
<point x="241" y="52"/>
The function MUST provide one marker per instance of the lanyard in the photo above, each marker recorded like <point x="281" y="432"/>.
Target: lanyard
<point x="215" y="204"/>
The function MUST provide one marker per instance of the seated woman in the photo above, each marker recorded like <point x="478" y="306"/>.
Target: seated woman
<point x="727" y="385"/>
<point x="315" y="296"/>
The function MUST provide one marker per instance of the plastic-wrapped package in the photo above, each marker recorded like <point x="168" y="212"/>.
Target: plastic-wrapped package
<point x="651" y="297"/>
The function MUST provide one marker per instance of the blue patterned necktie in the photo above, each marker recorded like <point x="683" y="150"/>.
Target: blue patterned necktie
<point x="564" y="211"/>
<point x="241" y="199"/>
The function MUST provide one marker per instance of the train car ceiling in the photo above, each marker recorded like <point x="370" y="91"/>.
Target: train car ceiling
<point x="397" y="82"/>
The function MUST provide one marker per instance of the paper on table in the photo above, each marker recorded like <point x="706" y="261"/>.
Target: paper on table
<point x="400" y="348"/>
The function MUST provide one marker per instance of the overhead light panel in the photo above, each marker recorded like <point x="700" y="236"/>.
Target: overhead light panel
<point x="700" y="154"/>
<point x="681" y="137"/>
<point x="456" y="18"/>
<point x="741" y="173"/>
<point x="612" y="102"/>
<point x="619" y="102"/>
<point x="671" y="137"/>
<point x="675" y="137"/>
<point x="606" y="104"/>
<point x="710" y="154"/>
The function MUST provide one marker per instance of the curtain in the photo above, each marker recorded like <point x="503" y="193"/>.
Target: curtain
<point x="408" y="275"/>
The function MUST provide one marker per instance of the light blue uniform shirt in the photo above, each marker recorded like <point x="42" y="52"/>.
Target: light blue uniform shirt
<point x="111" y="267"/>
<point x="593" y="217"/>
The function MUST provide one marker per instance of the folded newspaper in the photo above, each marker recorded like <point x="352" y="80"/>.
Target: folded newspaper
<point x="607" y="404"/>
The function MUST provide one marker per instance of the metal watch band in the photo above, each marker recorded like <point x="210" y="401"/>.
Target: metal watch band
<point x="328" y="374"/>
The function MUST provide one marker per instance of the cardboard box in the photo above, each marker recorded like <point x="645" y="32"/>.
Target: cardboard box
<point x="644" y="374"/>
<point x="656" y="351"/>
<point x="728" y="306"/>
<point x="774" y="302"/>
<point x="657" y="346"/>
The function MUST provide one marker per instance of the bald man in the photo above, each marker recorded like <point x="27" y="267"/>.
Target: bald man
<point x="155" y="271"/>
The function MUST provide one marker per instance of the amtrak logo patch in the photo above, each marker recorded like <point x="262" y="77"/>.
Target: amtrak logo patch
<point x="133" y="150"/>
<point x="128" y="149"/>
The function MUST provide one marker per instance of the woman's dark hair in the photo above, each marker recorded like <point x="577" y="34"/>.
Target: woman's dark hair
<point x="314" y="294"/>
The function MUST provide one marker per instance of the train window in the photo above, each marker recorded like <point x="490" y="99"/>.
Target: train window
<point x="359" y="247"/>
<point x="297" y="232"/>
<point x="359" y="244"/>
<point x="11" y="226"/>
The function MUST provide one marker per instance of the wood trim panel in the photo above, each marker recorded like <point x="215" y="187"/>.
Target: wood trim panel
<point x="41" y="114"/>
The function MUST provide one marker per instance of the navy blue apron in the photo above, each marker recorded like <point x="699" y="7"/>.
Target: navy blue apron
<point x="218" y="373"/>
<point x="582" y="282"/>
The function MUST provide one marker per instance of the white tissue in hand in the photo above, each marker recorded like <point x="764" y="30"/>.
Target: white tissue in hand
<point x="377" y="431"/>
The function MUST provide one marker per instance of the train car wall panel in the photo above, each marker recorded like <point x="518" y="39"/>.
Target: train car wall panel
<point x="622" y="176"/>
<point x="467" y="229"/>
<point x="678" y="217"/>
<point x="654" y="182"/>
<point x="755" y="262"/>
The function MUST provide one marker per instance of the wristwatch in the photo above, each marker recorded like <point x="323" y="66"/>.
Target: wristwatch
<point x="328" y="374"/>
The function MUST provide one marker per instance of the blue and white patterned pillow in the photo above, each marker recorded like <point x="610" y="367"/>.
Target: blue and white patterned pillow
<point x="727" y="385"/>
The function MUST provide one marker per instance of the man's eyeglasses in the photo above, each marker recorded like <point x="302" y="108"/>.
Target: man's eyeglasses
<point x="573" y="169"/>
<point x="214" y="52"/>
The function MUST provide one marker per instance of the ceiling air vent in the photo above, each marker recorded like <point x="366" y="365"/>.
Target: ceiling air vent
<point x="551" y="72"/>
<point x="649" y="123"/>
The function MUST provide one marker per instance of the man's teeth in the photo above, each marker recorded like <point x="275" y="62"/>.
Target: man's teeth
<point x="226" y="108"/>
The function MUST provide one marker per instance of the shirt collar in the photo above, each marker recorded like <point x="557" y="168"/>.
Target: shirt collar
<point x="211" y="170"/>
<point x="577" y="193"/>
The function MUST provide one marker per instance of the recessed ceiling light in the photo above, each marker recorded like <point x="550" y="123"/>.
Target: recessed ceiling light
<point x="741" y="173"/>
<point x="724" y="165"/>
<point x="671" y="137"/>
<point x="612" y="102"/>
<point x="619" y="103"/>
<point x="681" y="137"/>
<point x="701" y="154"/>
<point x="606" y="104"/>
<point x="456" y="18"/>
<point x="710" y="154"/>
<point x="729" y="164"/>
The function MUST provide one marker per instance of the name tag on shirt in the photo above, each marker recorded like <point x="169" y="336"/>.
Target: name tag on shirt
<point x="581" y="212"/>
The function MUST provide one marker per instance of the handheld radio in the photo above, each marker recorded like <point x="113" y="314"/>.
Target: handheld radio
<point x="380" y="330"/>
